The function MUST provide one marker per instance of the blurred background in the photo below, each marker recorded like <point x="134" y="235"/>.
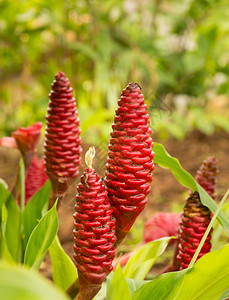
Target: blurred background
<point x="178" y="51"/>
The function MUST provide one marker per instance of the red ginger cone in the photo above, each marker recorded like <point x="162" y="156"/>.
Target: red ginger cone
<point x="196" y="216"/>
<point x="94" y="232"/>
<point x="35" y="179"/>
<point x="130" y="159"/>
<point x="62" y="137"/>
<point x="194" y="222"/>
<point x="206" y="175"/>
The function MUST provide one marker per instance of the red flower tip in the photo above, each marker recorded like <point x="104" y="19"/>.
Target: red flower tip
<point x="27" y="138"/>
<point x="130" y="159"/>
<point x="94" y="231"/>
<point x="62" y="137"/>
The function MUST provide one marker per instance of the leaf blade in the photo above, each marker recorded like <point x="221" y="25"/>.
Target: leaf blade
<point x="22" y="284"/>
<point x="33" y="211"/>
<point x="117" y="287"/>
<point x="212" y="270"/>
<point x="64" y="272"/>
<point x="37" y="246"/>
<point x="142" y="260"/>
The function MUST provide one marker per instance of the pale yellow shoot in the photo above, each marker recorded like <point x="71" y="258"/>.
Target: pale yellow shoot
<point x="90" y="154"/>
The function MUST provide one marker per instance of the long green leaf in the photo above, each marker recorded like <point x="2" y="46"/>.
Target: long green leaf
<point x="4" y="251"/>
<point x="4" y="195"/>
<point x="142" y="260"/>
<point x="208" y="279"/>
<point x="22" y="284"/>
<point x="135" y="284"/>
<point x="165" y="160"/>
<point x="165" y="287"/>
<point x="218" y="229"/>
<point x="12" y="228"/>
<point x="117" y="287"/>
<point x="33" y="211"/>
<point x="41" y="239"/>
<point x="64" y="271"/>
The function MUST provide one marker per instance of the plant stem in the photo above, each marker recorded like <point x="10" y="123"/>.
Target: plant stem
<point x="73" y="290"/>
<point x="22" y="206"/>
<point x="208" y="230"/>
<point x="22" y="185"/>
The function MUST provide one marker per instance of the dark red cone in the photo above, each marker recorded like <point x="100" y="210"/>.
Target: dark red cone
<point x="196" y="217"/>
<point x="130" y="159"/>
<point x="94" y="234"/>
<point x="62" y="137"/>
<point x="206" y="175"/>
<point x="35" y="179"/>
<point x="194" y="222"/>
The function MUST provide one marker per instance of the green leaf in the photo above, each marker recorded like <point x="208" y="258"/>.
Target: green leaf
<point x="165" y="160"/>
<point x="64" y="271"/>
<point x="41" y="239"/>
<point x="164" y="287"/>
<point x="3" y="184"/>
<point x="5" y="254"/>
<point x="22" y="284"/>
<point x="5" y="194"/>
<point x="142" y="260"/>
<point x="33" y="211"/>
<point x="218" y="230"/>
<point x="117" y="287"/>
<point x="12" y="228"/>
<point x="135" y="284"/>
<point x="208" y="279"/>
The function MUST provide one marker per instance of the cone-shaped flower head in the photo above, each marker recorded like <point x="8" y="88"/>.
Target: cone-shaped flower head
<point x="62" y="137"/>
<point x="35" y="179"/>
<point x="194" y="222"/>
<point x="196" y="218"/>
<point x="94" y="232"/>
<point x="206" y="175"/>
<point x="130" y="159"/>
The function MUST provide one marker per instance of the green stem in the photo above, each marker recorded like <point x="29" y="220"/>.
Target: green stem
<point x="22" y="206"/>
<point x="207" y="231"/>
<point x="22" y="185"/>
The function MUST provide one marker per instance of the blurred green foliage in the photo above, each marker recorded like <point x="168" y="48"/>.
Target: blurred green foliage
<point x="176" y="50"/>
